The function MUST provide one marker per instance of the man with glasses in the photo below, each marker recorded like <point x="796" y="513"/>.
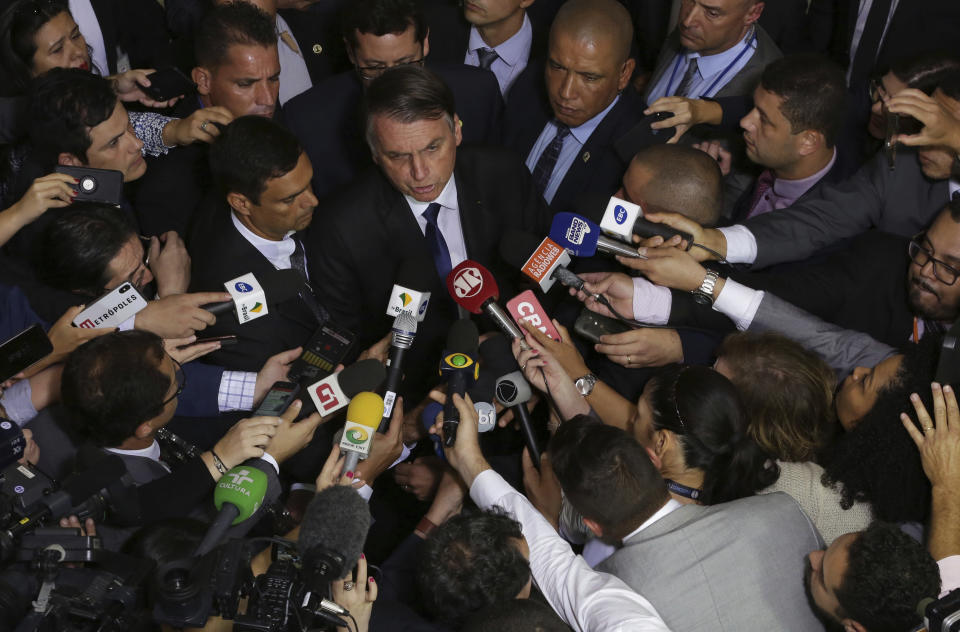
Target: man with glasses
<point x="379" y="35"/>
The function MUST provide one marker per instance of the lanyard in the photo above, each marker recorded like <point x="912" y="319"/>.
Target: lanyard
<point x="709" y="90"/>
<point x="683" y="490"/>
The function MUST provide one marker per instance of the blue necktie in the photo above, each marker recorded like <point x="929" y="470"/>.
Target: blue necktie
<point x="543" y="170"/>
<point x="438" y="245"/>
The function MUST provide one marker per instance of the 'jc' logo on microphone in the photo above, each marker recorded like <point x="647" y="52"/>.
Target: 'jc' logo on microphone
<point x="619" y="214"/>
<point x="327" y="396"/>
<point x="467" y="283"/>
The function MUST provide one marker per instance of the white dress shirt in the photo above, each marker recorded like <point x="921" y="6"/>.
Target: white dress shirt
<point x="86" y="18"/>
<point x="652" y="303"/>
<point x="512" y="54"/>
<point x="448" y="220"/>
<point x="294" y="76"/>
<point x="584" y="598"/>
<point x="276" y="252"/>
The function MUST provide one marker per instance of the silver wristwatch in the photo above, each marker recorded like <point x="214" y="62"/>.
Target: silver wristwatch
<point x="704" y="293"/>
<point x="585" y="384"/>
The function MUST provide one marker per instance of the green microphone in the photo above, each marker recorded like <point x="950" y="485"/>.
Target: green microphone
<point x="237" y="496"/>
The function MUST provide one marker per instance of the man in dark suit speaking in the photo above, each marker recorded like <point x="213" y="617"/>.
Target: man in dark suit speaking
<point x="428" y="200"/>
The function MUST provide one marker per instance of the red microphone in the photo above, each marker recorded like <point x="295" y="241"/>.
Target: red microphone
<point x="473" y="288"/>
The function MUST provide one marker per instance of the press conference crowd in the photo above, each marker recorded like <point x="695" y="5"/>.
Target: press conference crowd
<point x="647" y="309"/>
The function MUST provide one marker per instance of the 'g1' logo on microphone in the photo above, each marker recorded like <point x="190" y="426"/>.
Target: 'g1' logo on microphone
<point x="243" y="287"/>
<point x="327" y="396"/>
<point x="619" y="214"/>
<point x="467" y="283"/>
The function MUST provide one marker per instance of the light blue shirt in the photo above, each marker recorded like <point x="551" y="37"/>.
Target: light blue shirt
<point x="512" y="55"/>
<point x="448" y="220"/>
<point x="572" y="145"/>
<point x="713" y="71"/>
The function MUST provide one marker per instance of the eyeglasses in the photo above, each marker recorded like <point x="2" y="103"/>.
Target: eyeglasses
<point x="920" y="255"/>
<point x="877" y="91"/>
<point x="145" y="242"/>
<point x="372" y="72"/>
<point x="181" y="380"/>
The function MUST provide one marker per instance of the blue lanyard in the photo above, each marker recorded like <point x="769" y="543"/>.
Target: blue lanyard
<point x="707" y="92"/>
<point x="682" y="490"/>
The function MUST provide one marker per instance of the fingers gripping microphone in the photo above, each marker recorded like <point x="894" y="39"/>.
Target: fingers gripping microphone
<point x="238" y="495"/>
<point x="474" y="288"/>
<point x="625" y="219"/>
<point x="514" y="392"/>
<point x="251" y="296"/>
<point x="460" y="369"/>
<point x="583" y="238"/>
<point x="363" y="418"/>
<point x="335" y="391"/>
<point x="404" y="331"/>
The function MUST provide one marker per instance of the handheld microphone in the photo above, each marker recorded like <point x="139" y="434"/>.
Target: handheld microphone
<point x="583" y="238"/>
<point x="473" y="288"/>
<point x="514" y="392"/>
<point x="332" y="533"/>
<point x="404" y="331"/>
<point x="460" y="369"/>
<point x="335" y="391"/>
<point x="363" y="417"/>
<point x="237" y="496"/>
<point x="410" y="291"/>
<point x="524" y="307"/>
<point x="250" y="297"/>
<point x="547" y="264"/>
<point x="625" y="219"/>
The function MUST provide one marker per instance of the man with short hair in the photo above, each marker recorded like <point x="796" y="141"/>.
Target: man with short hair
<point x="566" y="132"/>
<point x="379" y="35"/>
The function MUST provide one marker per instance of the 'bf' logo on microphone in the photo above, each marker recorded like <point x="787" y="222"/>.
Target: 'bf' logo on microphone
<point x="467" y="283"/>
<point x="619" y="214"/>
<point x="327" y="397"/>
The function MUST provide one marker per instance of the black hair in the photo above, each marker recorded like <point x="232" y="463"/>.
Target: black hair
<point x="606" y="475"/>
<point x="249" y="151"/>
<point x="114" y="383"/>
<point x="877" y="462"/>
<point x="814" y="93"/>
<point x="888" y="573"/>
<point x="515" y="614"/>
<point x="381" y="17"/>
<point x="19" y="24"/>
<point x="76" y="248"/>
<point x="925" y="72"/>
<point x="65" y="103"/>
<point x="470" y="562"/>
<point x="231" y="24"/>
<point x="407" y="94"/>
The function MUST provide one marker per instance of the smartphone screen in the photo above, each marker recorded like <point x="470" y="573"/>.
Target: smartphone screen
<point x="23" y="351"/>
<point x="278" y="399"/>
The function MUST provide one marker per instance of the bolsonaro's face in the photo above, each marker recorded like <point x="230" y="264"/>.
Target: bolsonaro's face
<point x="417" y="157"/>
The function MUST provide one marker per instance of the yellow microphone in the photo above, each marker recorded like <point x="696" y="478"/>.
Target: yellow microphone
<point x="363" y="418"/>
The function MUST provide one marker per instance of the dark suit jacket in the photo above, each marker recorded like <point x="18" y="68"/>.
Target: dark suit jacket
<point x="317" y="31"/>
<point x="597" y="167"/>
<point x="220" y="253"/>
<point x="450" y="33"/>
<point x="171" y="191"/>
<point x="326" y="119"/>
<point x="137" y="27"/>
<point x="367" y="230"/>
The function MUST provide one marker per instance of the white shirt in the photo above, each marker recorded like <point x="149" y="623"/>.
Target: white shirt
<point x="294" y="76"/>
<point x="85" y="17"/>
<point x="584" y="598"/>
<point x="152" y="452"/>
<point x="652" y="303"/>
<point x="276" y="252"/>
<point x="512" y="54"/>
<point x="448" y="220"/>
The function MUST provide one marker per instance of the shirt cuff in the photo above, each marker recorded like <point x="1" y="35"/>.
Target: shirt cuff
<point x="949" y="574"/>
<point x="741" y="244"/>
<point x="651" y="303"/>
<point x="236" y="390"/>
<point x="272" y="461"/>
<point x="148" y="127"/>
<point x="128" y="324"/>
<point x="739" y="303"/>
<point x="18" y="404"/>
<point x="365" y="492"/>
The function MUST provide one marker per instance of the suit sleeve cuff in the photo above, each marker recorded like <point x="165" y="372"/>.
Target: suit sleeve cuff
<point x="741" y="244"/>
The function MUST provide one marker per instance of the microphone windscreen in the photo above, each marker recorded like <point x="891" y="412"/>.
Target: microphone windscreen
<point x="280" y="285"/>
<point x="575" y="233"/>
<point x="517" y="246"/>
<point x="243" y="486"/>
<point x="365" y="375"/>
<point x="463" y="337"/>
<point x="334" y="526"/>
<point x="416" y="273"/>
<point x="366" y="409"/>
<point x="471" y="285"/>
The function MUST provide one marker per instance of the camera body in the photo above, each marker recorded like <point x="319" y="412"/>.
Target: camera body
<point x="943" y="615"/>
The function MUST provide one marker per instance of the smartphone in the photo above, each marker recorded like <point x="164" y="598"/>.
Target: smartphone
<point x="642" y="135"/>
<point x="592" y="325"/>
<point x="104" y="186"/>
<point x="167" y="84"/>
<point x="23" y="351"/>
<point x="112" y="308"/>
<point x="230" y="339"/>
<point x="327" y="348"/>
<point x="278" y="399"/>
<point x="897" y="124"/>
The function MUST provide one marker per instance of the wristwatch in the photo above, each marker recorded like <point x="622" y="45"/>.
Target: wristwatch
<point x="704" y="293"/>
<point x="585" y="384"/>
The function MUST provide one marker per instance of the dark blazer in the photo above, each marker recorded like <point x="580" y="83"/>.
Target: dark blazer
<point x="137" y="27"/>
<point x="330" y="129"/>
<point x="368" y="229"/>
<point x="317" y="32"/>
<point x="220" y="253"/>
<point x="171" y="191"/>
<point x="450" y="33"/>
<point x="597" y="167"/>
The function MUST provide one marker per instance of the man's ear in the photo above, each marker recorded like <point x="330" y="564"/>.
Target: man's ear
<point x="754" y="13"/>
<point x="351" y="55"/>
<point x="457" y="129"/>
<point x="240" y="203"/>
<point x="654" y="458"/>
<point x="68" y="160"/>
<point x="594" y="527"/>
<point x="143" y="431"/>
<point x="426" y="43"/>
<point x="810" y="141"/>
<point x="626" y="72"/>
<point x="202" y="77"/>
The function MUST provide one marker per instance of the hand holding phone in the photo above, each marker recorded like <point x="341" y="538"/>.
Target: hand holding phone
<point x="23" y="351"/>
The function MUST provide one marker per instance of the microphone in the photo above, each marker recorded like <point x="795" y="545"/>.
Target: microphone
<point x="363" y="417"/>
<point x="583" y="238"/>
<point x="514" y="392"/>
<point x="410" y="291"/>
<point x="473" y="288"/>
<point x="524" y="307"/>
<point x="404" y="331"/>
<point x="625" y="219"/>
<point x="335" y="391"/>
<point x="460" y="369"/>
<point x="332" y="533"/>
<point x="250" y="297"/>
<point x="547" y="264"/>
<point x="237" y="496"/>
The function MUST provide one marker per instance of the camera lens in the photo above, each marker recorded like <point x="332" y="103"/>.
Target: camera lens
<point x="88" y="184"/>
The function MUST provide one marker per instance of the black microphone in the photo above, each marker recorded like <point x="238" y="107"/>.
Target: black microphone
<point x="334" y="528"/>
<point x="335" y="391"/>
<point x="278" y="286"/>
<point x="404" y="331"/>
<point x="460" y="368"/>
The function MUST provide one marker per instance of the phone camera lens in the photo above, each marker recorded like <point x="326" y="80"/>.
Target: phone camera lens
<point x="88" y="184"/>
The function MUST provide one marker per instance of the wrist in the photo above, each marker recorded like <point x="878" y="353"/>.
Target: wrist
<point x="471" y="468"/>
<point x="169" y="134"/>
